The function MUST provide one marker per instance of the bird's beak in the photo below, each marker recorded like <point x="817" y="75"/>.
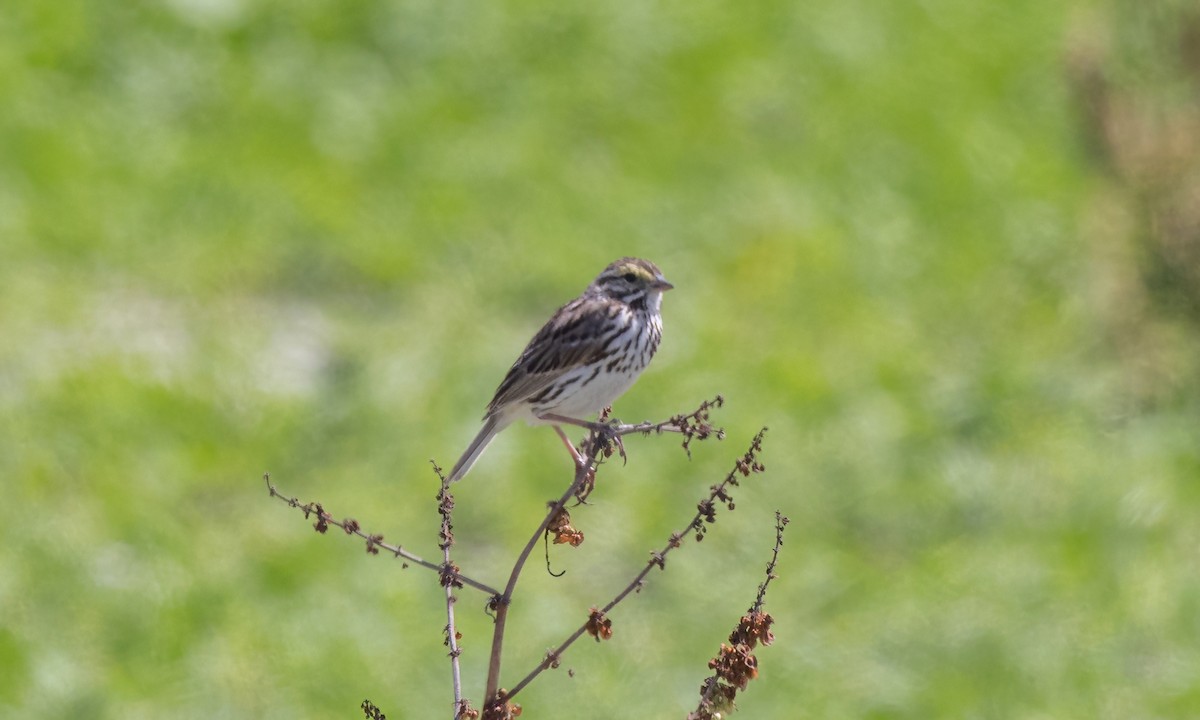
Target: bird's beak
<point x="661" y="284"/>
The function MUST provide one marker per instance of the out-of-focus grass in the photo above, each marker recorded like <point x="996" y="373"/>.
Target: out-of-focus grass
<point x="308" y="237"/>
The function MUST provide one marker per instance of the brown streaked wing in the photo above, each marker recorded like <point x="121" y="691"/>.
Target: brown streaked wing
<point x="572" y="338"/>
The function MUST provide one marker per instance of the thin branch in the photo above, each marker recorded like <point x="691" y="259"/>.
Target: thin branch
<point x="781" y="522"/>
<point x="374" y="542"/>
<point x="493" y="681"/>
<point x="706" y="513"/>
<point x="449" y="582"/>
<point x="693" y="425"/>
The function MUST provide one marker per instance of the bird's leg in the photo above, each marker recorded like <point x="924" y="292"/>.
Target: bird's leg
<point x="579" y="461"/>
<point x="605" y="430"/>
<point x="564" y="420"/>
<point x="589" y="480"/>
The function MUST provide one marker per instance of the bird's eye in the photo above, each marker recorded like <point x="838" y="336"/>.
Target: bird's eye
<point x="629" y="277"/>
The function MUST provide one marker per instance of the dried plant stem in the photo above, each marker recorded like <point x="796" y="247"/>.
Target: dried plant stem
<point x="445" y="542"/>
<point x="691" y="425"/>
<point x="780" y="524"/>
<point x="375" y="543"/>
<point x="452" y="642"/>
<point x="745" y="465"/>
<point x="735" y="664"/>
<point x="502" y="602"/>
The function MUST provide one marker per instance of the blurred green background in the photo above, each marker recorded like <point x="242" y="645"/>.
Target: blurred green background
<point x="947" y="251"/>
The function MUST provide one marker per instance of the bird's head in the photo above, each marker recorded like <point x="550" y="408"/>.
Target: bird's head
<point x="634" y="281"/>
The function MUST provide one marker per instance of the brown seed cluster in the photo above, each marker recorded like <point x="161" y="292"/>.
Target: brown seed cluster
<point x="449" y="576"/>
<point x="371" y="712"/>
<point x="562" y="530"/>
<point x="754" y="628"/>
<point x="696" y="425"/>
<point x="599" y="626"/>
<point x="446" y="510"/>
<point x="498" y="707"/>
<point x="735" y="664"/>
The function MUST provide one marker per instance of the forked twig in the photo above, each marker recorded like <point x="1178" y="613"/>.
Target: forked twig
<point x="735" y="664"/>
<point x="597" y="624"/>
<point x="449" y="581"/>
<point x="599" y="442"/>
<point x="375" y="543"/>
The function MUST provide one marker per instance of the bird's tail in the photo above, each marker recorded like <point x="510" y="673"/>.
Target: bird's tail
<point x="491" y="426"/>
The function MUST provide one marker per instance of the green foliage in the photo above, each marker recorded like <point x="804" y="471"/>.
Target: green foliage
<point x="308" y="237"/>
